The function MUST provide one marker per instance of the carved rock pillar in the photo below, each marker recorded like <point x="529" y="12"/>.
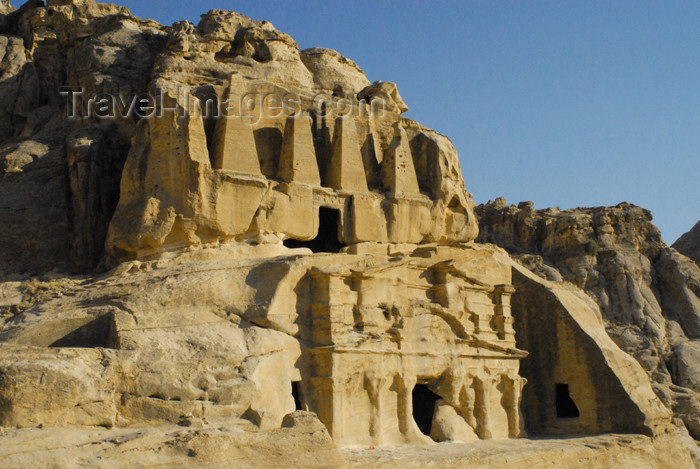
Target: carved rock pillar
<point x="405" y="407"/>
<point x="466" y="402"/>
<point x="329" y="403"/>
<point x="503" y="318"/>
<point x="482" y="405"/>
<point x="374" y="385"/>
<point x="514" y="388"/>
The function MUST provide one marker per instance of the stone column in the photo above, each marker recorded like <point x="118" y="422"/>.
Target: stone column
<point x="405" y="407"/>
<point x="503" y="317"/>
<point x="466" y="402"/>
<point x="338" y="390"/>
<point x="514" y="388"/>
<point x="374" y="385"/>
<point x="325" y="397"/>
<point x="482" y="405"/>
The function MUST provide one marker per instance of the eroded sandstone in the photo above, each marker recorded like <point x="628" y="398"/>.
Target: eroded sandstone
<point x="648" y="293"/>
<point x="302" y="280"/>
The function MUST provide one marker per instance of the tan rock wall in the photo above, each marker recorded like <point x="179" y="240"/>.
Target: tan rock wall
<point x="264" y="263"/>
<point x="648" y="294"/>
<point x="564" y="333"/>
<point x="234" y="200"/>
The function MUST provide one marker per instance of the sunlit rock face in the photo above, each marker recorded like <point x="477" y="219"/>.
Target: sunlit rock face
<point x="329" y="149"/>
<point x="648" y="293"/>
<point x="273" y="257"/>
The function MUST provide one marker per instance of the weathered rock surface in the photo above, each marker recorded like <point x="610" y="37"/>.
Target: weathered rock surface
<point x="332" y="71"/>
<point x="648" y="293"/>
<point x="223" y="444"/>
<point x="216" y="443"/>
<point x="580" y="453"/>
<point x="60" y="181"/>
<point x="61" y="176"/>
<point x="211" y="336"/>
<point x="386" y="178"/>
<point x="689" y="244"/>
<point x="286" y="283"/>
<point x="192" y="341"/>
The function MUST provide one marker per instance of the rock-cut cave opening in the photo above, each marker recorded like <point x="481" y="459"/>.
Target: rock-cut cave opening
<point x="296" y="395"/>
<point x="327" y="238"/>
<point x="424" y="407"/>
<point x="566" y="407"/>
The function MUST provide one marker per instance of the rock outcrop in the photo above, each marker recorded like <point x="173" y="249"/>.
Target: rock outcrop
<point x="60" y="182"/>
<point x="648" y="293"/>
<point x="689" y="244"/>
<point x="331" y="141"/>
<point x="213" y="335"/>
<point x="272" y="256"/>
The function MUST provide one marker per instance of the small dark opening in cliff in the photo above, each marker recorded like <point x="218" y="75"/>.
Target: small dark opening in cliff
<point x="327" y="238"/>
<point x="225" y="54"/>
<point x="95" y="333"/>
<point x="296" y="395"/>
<point x="424" y="407"/>
<point x="566" y="407"/>
<point x="262" y="53"/>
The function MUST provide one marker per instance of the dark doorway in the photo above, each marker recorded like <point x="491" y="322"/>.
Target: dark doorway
<point x="566" y="407"/>
<point x="296" y="395"/>
<point x="424" y="407"/>
<point x="327" y="238"/>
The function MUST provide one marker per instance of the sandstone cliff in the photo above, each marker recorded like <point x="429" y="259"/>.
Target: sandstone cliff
<point x="62" y="176"/>
<point x="648" y="293"/>
<point x="183" y="281"/>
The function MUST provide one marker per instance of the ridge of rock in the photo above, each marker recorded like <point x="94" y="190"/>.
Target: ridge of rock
<point x="301" y="279"/>
<point x="648" y="293"/>
<point x="689" y="243"/>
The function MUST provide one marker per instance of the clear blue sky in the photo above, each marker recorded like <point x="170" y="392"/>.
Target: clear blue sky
<point x="565" y="103"/>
